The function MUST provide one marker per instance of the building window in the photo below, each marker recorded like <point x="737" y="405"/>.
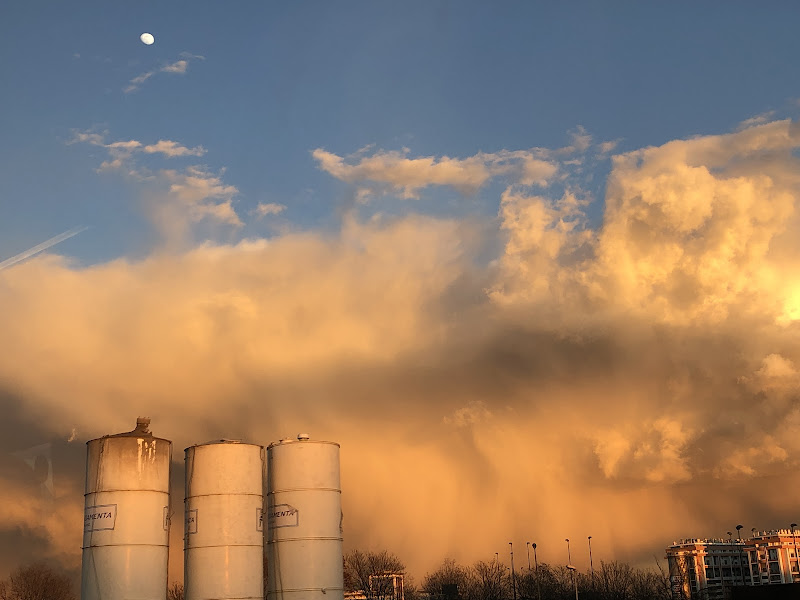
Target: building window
<point x="774" y="568"/>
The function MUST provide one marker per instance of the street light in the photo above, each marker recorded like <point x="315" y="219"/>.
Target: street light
<point x="741" y="560"/>
<point x="571" y="568"/>
<point x="794" y="539"/>
<point x="513" y="575"/>
<point x="536" y="573"/>
<point x="574" y="581"/>
<point x="528" y="548"/>
<point x="591" y="564"/>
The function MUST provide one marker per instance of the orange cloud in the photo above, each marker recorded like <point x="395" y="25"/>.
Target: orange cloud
<point x="579" y="383"/>
<point x="407" y="176"/>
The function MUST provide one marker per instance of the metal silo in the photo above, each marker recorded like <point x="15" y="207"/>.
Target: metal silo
<point x="126" y="516"/>
<point x="224" y="534"/>
<point x="304" y="520"/>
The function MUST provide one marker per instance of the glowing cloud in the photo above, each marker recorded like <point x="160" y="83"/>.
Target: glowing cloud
<point x="407" y="176"/>
<point x="582" y="379"/>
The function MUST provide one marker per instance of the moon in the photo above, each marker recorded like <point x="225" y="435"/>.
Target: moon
<point x="147" y="38"/>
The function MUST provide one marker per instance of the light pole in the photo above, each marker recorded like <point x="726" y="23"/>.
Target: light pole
<point x="741" y="566"/>
<point x="591" y="564"/>
<point x="575" y="581"/>
<point x="571" y="568"/>
<point x="536" y="573"/>
<point x="794" y="539"/>
<point x="730" y="541"/>
<point x="528" y="548"/>
<point x="513" y="575"/>
<point x="496" y="557"/>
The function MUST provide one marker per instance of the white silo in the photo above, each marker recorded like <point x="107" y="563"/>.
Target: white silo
<point x="126" y="516"/>
<point x="223" y="535"/>
<point x="304" y="520"/>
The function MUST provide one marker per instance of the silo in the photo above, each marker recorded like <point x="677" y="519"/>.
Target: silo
<point x="304" y="520"/>
<point x="224" y="534"/>
<point x="126" y="516"/>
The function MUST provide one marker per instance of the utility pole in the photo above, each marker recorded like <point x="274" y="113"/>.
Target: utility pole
<point x="513" y="575"/>
<point x="574" y="581"/>
<point x="536" y="573"/>
<point x="571" y="568"/>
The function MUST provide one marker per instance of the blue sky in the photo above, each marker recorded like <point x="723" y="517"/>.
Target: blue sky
<point x="548" y="250"/>
<point x="276" y="82"/>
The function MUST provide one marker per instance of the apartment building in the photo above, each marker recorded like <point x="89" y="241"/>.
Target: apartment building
<point x="709" y="568"/>
<point x="773" y="557"/>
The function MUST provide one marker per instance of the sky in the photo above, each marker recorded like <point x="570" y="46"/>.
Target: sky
<point x="533" y="265"/>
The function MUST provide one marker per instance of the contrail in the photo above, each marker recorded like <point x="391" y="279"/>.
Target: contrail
<point x="9" y="262"/>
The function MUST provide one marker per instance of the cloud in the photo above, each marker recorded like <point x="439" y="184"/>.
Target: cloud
<point x="752" y="460"/>
<point x="654" y="451"/>
<point x="473" y="413"/>
<point x="580" y="139"/>
<point x="407" y="176"/>
<point x="178" y="67"/>
<point x="170" y="149"/>
<point x="579" y="381"/>
<point x="137" y="81"/>
<point x="776" y="368"/>
<point x="203" y="194"/>
<point x="761" y="119"/>
<point x="125" y="148"/>
<point x="608" y="147"/>
<point x="694" y="230"/>
<point x="96" y="139"/>
<point x="45" y="519"/>
<point x="269" y="208"/>
<point x="175" y="198"/>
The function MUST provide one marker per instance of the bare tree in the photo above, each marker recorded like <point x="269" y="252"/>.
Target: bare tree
<point x="367" y="571"/>
<point x="36" y="582"/>
<point x="449" y="574"/>
<point x="175" y="591"/>
<point x="615" y="580"/>
<point x="554" y="583"/>
<point x="663" y="582"/>
<point x="490" y="581"/>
